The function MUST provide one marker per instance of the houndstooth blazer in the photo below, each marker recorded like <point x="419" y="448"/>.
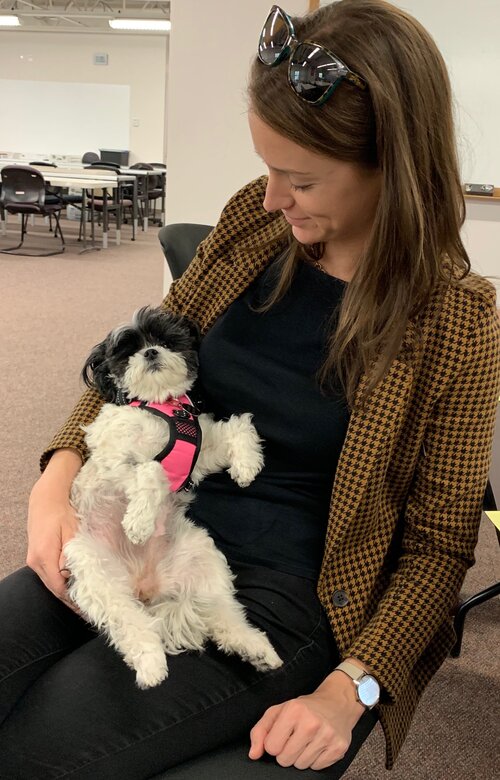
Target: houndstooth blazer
<point x="407" y="496"/>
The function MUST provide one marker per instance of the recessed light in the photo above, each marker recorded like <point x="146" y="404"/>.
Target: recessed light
<point x="9" y="21"/>
<point x="140" y="24"/>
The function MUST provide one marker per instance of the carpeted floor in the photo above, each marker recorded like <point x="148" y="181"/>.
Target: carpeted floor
<point x="53" y="310"/>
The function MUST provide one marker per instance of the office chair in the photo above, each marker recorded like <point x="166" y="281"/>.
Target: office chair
<point x="90" y="157"/>
<point x="489" y="505"/>
<point x="105" y="166"/>
<point x="23" y="192"/>
<point x="117" y="203"/>
<point x="180" y="242"/>
<point x="52" y="194"/>
<point x="149" y="189"/>
<point x="57" y="194"/>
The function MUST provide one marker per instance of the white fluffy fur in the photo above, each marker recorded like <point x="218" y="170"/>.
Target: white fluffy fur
<point x="142" y="572"/>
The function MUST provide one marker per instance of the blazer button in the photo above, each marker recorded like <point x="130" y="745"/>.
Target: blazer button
<point x="340" y="598"/>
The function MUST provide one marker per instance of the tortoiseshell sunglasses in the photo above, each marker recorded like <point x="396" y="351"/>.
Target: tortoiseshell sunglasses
<point x="313" y="72"/>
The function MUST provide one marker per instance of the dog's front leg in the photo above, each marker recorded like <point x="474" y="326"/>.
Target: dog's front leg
<point x="233" y="444"/>
<point x="100" y="586"/>
<point x="146" y="489"/>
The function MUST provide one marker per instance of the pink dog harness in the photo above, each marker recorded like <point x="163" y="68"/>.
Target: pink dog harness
<point x="179" y="456"/>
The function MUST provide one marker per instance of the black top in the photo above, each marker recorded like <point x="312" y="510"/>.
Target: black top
<point x="265" y="363"/>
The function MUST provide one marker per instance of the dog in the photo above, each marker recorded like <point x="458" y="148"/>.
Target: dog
<point x="140" y="570"/>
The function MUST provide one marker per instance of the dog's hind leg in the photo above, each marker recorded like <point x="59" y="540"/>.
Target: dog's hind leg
<point x="229" y="628"/>
<point x="100" y="587"/>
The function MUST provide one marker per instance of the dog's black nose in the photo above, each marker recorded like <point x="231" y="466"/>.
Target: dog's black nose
<point x="151" y="354"/>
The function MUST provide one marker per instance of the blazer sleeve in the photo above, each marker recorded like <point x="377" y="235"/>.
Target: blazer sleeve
<point x="442" y="516"/>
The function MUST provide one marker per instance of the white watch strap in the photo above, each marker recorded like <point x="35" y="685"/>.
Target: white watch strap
<point x="353" y="671"/>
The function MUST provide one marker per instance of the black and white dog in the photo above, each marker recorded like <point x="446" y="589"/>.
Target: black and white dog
<point x="141" y="571"/>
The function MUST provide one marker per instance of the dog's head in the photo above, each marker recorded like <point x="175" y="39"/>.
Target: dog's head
<point x="152" y="359"/>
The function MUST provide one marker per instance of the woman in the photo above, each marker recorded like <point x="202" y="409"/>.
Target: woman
<point x="336" y="304"/>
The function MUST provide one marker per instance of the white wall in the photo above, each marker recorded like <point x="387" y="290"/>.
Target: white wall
<point x="135" y="60"/>
<point x="210" y="153"/>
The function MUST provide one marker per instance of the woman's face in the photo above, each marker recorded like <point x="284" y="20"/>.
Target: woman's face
<point x="323" y="199"/>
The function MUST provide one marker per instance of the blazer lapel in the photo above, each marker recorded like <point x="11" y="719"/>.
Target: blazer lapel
<point x="370" y="437"/>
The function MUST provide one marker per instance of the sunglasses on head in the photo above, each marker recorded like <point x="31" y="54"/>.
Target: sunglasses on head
<point x="313" y="72"/>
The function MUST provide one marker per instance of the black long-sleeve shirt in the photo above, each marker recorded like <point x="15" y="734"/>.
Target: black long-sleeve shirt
<point x="266" y="363"/>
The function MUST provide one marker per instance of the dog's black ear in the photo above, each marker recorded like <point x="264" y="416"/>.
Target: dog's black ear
<point x="95" y="373"/>
<point x="194" y="330"/>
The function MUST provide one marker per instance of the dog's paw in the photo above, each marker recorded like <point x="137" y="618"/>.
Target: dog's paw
<point x="136" y="529"/>
<point x="243" y="475"/>
<point x="246" y="454"/>
<point x="264" y="658"/>
<point x="151" y="668"/>
<point x="251" y="645"/>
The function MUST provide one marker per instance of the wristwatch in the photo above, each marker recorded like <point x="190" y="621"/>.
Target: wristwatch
<point x="367" y="687"/>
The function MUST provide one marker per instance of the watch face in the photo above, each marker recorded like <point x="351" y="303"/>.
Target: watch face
<point x="368" y="691"/>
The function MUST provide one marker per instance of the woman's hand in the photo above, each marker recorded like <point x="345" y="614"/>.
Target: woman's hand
<point x="311" y="731"/>
<point x="52" y="521"/>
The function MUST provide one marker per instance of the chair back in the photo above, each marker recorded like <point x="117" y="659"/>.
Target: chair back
<point x="153" y="181"/>
<point x="102" y="167"/>
<point x="108" y="166"/>
<point x="489" y="502"/>
<point x="180" y="242"/>
<point x="90" y="157"/>
<point x="22" y="186"/>
<point x="43" y="164"/>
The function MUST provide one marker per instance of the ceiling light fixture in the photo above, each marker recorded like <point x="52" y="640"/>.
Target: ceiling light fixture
<point x="162" y="25"/>
<point x="9" y="21"/>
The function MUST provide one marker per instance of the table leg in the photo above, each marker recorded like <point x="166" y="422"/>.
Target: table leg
<point x="105" y="218"/>
<point x="135" y="207"/>
<point x="118" y="212"/>
<point x="84" y="218"/>
<point x="92" y="217"/>
<point x="163" y="198"/>
<point x="146" y="202"/>
<point x="83" y="226"/>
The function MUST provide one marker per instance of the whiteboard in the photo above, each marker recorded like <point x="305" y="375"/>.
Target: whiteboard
<point x="55" y="117"/>
<point x="467" y="33"/>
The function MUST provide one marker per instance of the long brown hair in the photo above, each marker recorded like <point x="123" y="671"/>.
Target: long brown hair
<point x="403" y="126"/>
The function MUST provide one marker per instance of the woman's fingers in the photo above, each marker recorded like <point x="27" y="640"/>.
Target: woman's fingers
<point x="307" y="732"/>
<point x="260" y="731"/>
<point x="44" y="560"/>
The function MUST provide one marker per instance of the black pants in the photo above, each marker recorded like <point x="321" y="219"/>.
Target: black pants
<point x="69" y="706"/>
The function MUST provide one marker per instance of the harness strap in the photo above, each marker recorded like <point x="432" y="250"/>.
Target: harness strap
<point x="184" y="429"/>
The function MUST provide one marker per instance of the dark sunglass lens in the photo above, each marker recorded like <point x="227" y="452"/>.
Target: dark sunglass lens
<point x="274" y="37"/>
<point x="313" y="71"/>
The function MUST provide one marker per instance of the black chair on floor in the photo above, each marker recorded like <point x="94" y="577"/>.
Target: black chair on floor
<point x="117" y="202"/>
<point x="52" y="194"/>
<point x="150" y="190"/>
<point x="180" y="242"/>
<point x="23" y="192"/>
<point x="57" y="194"/>
<point x="489" y="505"/>
<point x="105" y="166"/>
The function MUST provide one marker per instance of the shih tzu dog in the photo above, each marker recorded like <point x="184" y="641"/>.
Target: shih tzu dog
<point x="141" y="571"/>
